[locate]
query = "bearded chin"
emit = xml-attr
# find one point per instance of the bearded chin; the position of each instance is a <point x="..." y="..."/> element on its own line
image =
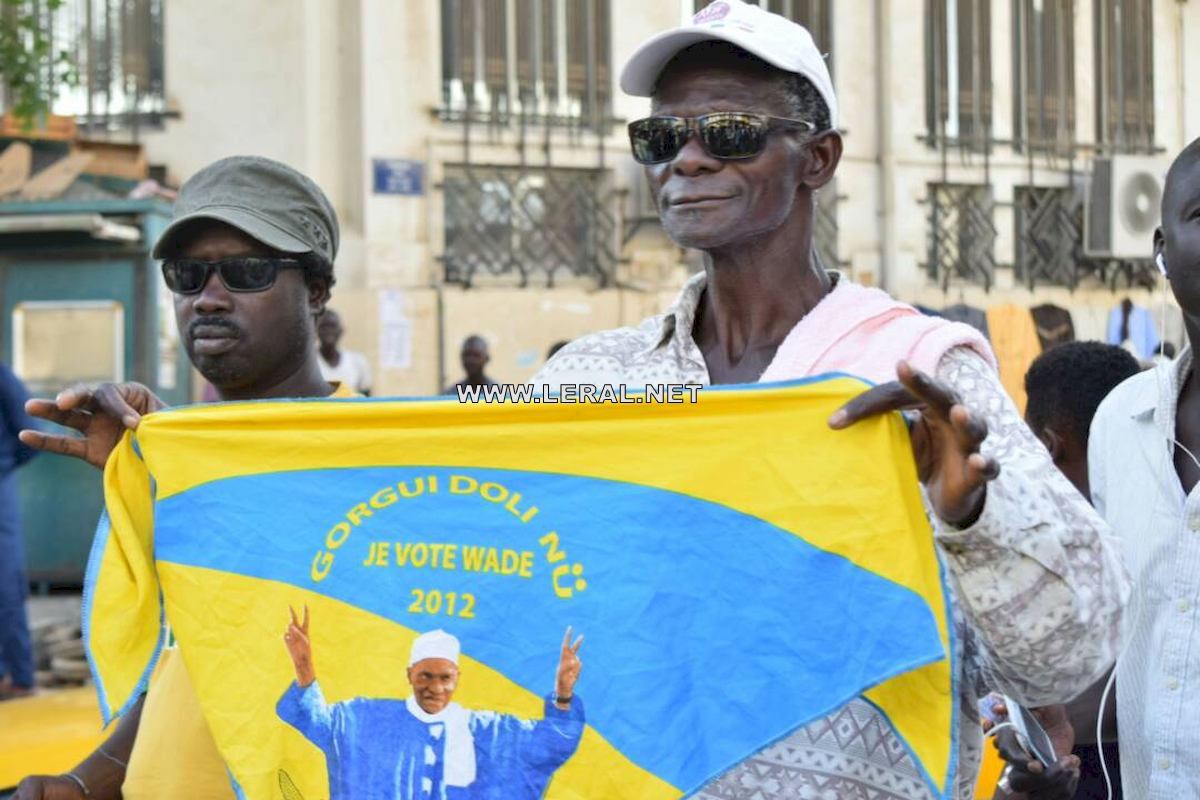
<point x="222" y="371"/>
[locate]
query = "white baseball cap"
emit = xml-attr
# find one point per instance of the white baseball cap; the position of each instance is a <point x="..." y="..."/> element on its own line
<point x="775" y="39"/>
<point x="434" y="644"/>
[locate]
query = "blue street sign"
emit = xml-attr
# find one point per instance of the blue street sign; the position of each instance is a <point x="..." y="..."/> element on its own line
<point x="398" y="176"/>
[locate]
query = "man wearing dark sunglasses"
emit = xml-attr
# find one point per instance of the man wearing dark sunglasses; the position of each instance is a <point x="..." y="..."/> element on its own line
<point x="249" y="258"/>
<point x="742" y="135"/>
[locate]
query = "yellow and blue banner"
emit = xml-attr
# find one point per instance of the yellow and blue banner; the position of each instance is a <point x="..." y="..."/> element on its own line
<point x="370" y="596"/>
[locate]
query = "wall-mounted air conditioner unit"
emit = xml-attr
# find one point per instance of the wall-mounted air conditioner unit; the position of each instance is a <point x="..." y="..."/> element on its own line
<point x="1123" y="207"/>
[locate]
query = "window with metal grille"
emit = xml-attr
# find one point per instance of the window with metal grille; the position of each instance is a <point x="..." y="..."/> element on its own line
<point x="117" y="50"/>
<point x="816" y="15"/>
<point x="1049" y="235"/>
<point x="958" y="74"/>
<point x="546" y="60"/>
<point x="1125" y="74"/>
<point x="962" y="235"/>
<point x="1044" y="74"/>
<point x="514" y="226"/>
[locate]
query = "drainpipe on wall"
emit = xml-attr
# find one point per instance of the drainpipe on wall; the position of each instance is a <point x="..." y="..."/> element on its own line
<point x="886" y="155"/>
<point x="441" y="341"/>
<point x="1180" y="66"/>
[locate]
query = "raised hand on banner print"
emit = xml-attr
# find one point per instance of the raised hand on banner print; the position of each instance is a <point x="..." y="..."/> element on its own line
<point x="946" y="437"/>
<point x="300" y="648"/>
<point x="100" y="413"/>
<point x="569" y="667"/>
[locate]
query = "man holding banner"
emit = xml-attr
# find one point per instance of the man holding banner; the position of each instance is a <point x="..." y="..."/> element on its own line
<point x="428" y="746"/>
<point x="249" y="257"/>
<point x="743" y="135"/>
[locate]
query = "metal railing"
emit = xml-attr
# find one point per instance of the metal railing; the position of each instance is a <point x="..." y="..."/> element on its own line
<point x="1125" y="75"/>
<point x="513" y="225"/>
<point x="1044" y="75"/>
<point x="1048" y="235"/>
<point x="958" y="73"/>
<point x="962" y="234"/>
<point x="117" y="49"/>
<point x="543" y="61"/>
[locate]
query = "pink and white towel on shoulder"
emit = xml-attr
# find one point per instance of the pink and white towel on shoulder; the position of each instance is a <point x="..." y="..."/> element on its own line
<point x="863" y="331"/>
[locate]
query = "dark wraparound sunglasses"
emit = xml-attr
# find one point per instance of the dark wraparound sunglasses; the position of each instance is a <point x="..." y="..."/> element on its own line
<point x="727" y="135"/>
<point x="190" y="275"/>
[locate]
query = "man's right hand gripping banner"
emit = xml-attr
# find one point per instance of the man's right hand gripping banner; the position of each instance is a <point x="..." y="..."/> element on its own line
<point x="372" y="597"/>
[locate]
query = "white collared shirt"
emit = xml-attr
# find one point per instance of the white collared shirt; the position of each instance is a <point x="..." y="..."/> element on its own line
<point x="1135" y="487"/>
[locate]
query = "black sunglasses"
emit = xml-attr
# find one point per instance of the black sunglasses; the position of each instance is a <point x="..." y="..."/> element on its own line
<point x="190" y="275"/>
<point x="727" y="135"/>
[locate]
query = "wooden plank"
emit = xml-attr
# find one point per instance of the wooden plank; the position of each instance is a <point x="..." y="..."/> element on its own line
<point x="54" y="128"/>
<point x="56" y="178"/>
<point x="115" y="159"/>
<point x="15" y="163"/>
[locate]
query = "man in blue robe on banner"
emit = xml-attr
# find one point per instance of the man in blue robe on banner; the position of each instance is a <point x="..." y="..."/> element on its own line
<point x="427" y="746"/>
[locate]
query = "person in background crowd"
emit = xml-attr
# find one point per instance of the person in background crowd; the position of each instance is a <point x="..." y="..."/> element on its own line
<point x="346" y="367"/>
<point x="474" y="357"/>
<point x="1144" y="477"/>
<point x="743" y="134"/>
<point x="1132" y="327"/>
<point x="16" y="652"/>
<point x="1065" y="385"/>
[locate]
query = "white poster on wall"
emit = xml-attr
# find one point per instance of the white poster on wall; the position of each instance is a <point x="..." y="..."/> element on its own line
<point x="395" y="331"/>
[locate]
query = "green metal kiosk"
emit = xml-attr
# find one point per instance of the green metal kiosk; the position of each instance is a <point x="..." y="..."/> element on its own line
<point x="81" y="300"/>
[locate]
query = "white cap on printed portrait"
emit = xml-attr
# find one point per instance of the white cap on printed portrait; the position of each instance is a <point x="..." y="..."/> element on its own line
<point x="435" y="644"/>
<point x="775" y="39"/>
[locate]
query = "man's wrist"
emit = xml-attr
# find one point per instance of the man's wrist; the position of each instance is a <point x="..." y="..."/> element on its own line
<point x="563" y="699"/>
<point x="101" y="776"/>
<point x="973" y="515"/>
<point x="78" y="781"/>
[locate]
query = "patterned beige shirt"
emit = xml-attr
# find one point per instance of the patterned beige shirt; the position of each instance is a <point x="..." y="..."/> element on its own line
<point x="1037" y="587"/>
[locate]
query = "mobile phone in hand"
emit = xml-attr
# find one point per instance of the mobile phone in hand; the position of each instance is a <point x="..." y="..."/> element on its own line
<point x="1032" y="735"/>
<point x="987" y="708"/>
